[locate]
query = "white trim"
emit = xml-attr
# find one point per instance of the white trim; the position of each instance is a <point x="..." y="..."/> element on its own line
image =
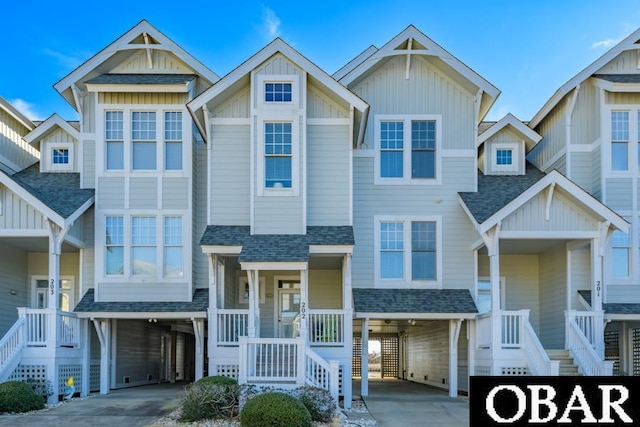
<point x="413" y="315"/>
<point x="244" y="282"/>
<point x="406" y="173"/>
<point x="33" y="290"/>
<point x="22" y="232"/>
<point x="406" y="281"/>
<point x="615" y="87"/>
<point x="293" y="79"/>
<point x="48" y="126"/>
<point x="520" y="128"/>
<point x="141" y="315"/>
<point x="330" y="249"/>
<point x="359" y="152"/>
<point x="297" y="148"/>
<point x="276" y="294"/>
<point x="517" y="157"/>
<point x="46" y="153"/>
<point x="503" y="291"/>
<point x="265" y="265"/>
<point x="140" y="88"/>
<point x="221" y="249"/>
<point x="548" y="234"/>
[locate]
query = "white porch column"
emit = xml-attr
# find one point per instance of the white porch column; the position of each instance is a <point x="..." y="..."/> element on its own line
<point x="347" y="306"/>
<point x="212" y="312"/>
<point x="304" y="304"/>
<point x="597" y="252"/>
<point x="198" y="331"/>
<point x="253" y="330"/>
<point x="364" y="359"/>
<point x="85" y="327"/>
<point x="454" y="334"/>
<point x="471" y="350"/>
<point x="492" y="241"/>
<point x="56" y="236"/>
<point x="103" y="329"/>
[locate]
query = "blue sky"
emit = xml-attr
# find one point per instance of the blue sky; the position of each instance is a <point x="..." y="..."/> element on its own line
<point x="525" y="48"/>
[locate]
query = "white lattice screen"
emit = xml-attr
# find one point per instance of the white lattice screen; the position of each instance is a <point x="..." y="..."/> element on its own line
<point x="230" y="371"/>
<point x="66" y="371"/>
<point x="94" y="377"/>
<point x="515" y="371"/>
<point x="23" y="372"/>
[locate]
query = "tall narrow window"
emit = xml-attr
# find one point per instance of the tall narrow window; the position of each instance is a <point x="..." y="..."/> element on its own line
<point x="278" y="155"/>
<point x="143" y="245"/>
<point x="391" y="250"/>
<point x="620" y="253"/>
<point x="114" y="140"/>
<point x="423" y="149"/>
<point x="114" y="241"/>
<point x="173" y="246"/>
<point x="423" y="250"/>
<point x="143" y="140"/>
<point x="391" y="149"/>
<point x="173" y="140"/>
<point x="619" y="140"/>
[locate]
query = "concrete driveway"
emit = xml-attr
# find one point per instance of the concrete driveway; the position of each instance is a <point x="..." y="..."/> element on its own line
<point x="135" y="407"/>
<point x="398" y="403"/>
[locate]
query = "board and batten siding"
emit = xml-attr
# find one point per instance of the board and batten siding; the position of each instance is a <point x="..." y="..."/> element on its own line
<point x="328" y="175"/>
<point x="619" y="193"/>
<point x="623" y="98"/>
<point x="141" y="98"/>
<point x="237" y="106"/>
<point x="88" y="253"/>
<point x="230" y="175"/>
<point x="553" y="297"/>
<point x="596" y="170"/>
<point x="17" y="214"/>
<point x="427" y="91"/>
<point x="56" y="137"/>
<point x="585" y="121"/>
<point x="110" y="193"/>
<point x="13" y="276"/>
<point x="415" y="200"/>
<point x="625" y="63"/>
<point x="321" y="105"/>
<point x="564" y="216"/>
<point x="163" y="62"/>
<point x="581" y="170"/>
<point x="12" y="147"/>
<point x="553" y="131"/>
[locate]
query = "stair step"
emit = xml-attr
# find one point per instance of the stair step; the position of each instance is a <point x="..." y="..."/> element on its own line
<point x="558" y="353"/>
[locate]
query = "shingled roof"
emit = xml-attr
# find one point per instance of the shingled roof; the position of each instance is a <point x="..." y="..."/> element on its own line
<point x="619" y="78"/>
<point x="59" y="191"/>
<point x="200" y="302"/>
<point x="497" y="191"/>
<point x="142" y="79"/>
<point x="615" y="307"/>
<point x="413" y="301"/>
<point x="276" y="247"/>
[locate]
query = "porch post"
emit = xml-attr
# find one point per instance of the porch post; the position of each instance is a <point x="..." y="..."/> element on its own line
<point x="173" y="362"/>
<point x="198" y="331"/>
<point x="347" y="338"/>
<point x="103" y="330"/>
<point x="254" y="310"/>
<point x="454" y="333"/>
<point x="212" y="312"/>
<point x="596" y="294"/>
<point x="85" y="329"/>
<point x="304" y="304"/>
<point x="364" y="359"/>
<point x="56" y="235"/>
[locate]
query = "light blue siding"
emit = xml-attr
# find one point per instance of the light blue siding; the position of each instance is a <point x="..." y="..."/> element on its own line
<point x="88" y="170"/>
<point x="175" y="193"/>
<point x="619" y="193"/>
<point x="110" y="193"/>
<point x="143" y="193"/>
<point x="320" y="105"/>
<point x="13" y="276"/>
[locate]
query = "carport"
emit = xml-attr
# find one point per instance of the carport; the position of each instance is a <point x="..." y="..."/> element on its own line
<point x="439" y="313"/>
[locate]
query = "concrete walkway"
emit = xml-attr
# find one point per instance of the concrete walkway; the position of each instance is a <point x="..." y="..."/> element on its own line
<point x="398" y="403"/>
<point x="132" y="407"/>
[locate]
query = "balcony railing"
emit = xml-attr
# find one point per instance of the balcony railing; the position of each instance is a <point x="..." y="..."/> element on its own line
<point x="232" y="324"/>
<point x="326" y="328"/>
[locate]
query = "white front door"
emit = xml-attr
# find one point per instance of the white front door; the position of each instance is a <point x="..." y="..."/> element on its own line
<point x="288" y="308"/>
<point x="41" y="296"/>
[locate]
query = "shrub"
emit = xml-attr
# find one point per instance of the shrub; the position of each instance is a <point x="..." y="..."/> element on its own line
<point x="16" y="396"/>
<point x="206" y="400"/>
<point x="217" y="380"/>
<point x="42" y="387"/>
<point x="274" y="409"/>
<point x="318" y="402"/>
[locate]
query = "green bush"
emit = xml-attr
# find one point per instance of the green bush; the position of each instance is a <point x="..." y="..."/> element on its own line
<point x="207" y="400"/>
<point x="217" y="380"/>
<point x="318" y="402"/>
<point x="274" y="409"/>
<point x="16" y="396"/>
<point x="41" y="387"/>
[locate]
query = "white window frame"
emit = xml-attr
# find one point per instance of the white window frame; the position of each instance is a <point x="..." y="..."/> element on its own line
<point x="634" y="254"/>
<point x="34" y="290"/>
<point x="294" y="190"/>
<point x="502" y="291"/>
<point x="406" y="175"/>
<point x="515" y="157"/>
<point x="59" y="167"/>
<point x="243" y="283"/>
<point x="633" y="144"/>
<point x="278" y="105"/>
<point x="406" y="281"/>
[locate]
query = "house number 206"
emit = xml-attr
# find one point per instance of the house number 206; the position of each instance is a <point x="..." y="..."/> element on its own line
<point x="52" y="287"/>
<point x="303" y="310"/>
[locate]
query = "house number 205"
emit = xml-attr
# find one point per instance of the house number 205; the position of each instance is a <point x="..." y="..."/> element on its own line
<point x="303" y="310"/>
<point x="52" y="287"/>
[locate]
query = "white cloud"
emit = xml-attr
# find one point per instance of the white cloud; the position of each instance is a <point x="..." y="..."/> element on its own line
<point x="27" y="109"/>
<point x="270" y="23"/>
<point x="604" y="43"/>
<point x="68" y="61"/>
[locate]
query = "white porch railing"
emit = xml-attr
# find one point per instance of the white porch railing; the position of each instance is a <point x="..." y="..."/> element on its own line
<point x="326" y="328"/>
<point x="42" y="324"/>
<point x="322" y="374"/>
<point x="580" y="337"/>
<point x="11" y="346"/>
<point x="271" y="360"/>
<point x="68" y="329"/>
<point x="483" y="330"/>
<point x="232" y="324"/>
<point x="37" y="326"/>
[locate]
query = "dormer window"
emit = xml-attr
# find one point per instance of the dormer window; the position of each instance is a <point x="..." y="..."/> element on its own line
<point x="277" y="92"/>
<point x="60" y="156"/>
<point x="504" y="156"/>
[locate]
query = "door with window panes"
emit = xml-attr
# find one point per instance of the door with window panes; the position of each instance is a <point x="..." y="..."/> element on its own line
<point x="41" y="289"/>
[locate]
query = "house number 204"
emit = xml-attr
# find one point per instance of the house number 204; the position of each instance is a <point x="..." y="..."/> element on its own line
<point x="303" y="310"/>
<point x="52" y="287"/>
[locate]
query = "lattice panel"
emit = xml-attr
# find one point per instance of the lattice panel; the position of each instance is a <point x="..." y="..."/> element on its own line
<point x="390" y="357"/>
<point x="635" y="337"/>
<point x="230" y="371"/>
<point x="515" y="372"/>
<point x="340" y="393"/>
<point x="23" y="372"/>
<point x="94" y="377"/>
<point x="356" y="355"/>
<point x="66" y="371"/>
<point x="612" y="349"/>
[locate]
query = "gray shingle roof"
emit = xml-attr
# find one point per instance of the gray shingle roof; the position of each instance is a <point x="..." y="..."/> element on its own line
<point x="59" y="191"/>
<point x="142" y="79"/>
<point x="276" y="247"/>
<point x="619" y="78"/>
<point x="200" y="302"/>
<point x="497" y="191"/>
<point x="485" y="126"/>
<point x="615" y="307"/>
<point x="413" y="301"/>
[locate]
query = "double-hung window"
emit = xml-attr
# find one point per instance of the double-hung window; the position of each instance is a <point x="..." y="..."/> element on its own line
<point x="621" y="254"/>
<point x="408" y="251"/>
<point x="143" y="245"/>
<point x="172" y="140"/>
<point x="407" y="149"/>
<point x="114" y="140"/>
<point x="278" y="155"/>
<point x="143" y="140"/>
<point x="114" y="242"/>
<point x="619" y="140"/>
<point x="173" y="247"/>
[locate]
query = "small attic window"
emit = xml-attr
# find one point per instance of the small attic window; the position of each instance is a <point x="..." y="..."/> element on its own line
<point x="277" y="92"/>
<point x="504" y="156"/>
<point x="60" y="156"/>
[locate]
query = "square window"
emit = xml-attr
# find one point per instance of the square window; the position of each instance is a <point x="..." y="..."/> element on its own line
<point x="60" y="156"/>
<point x="504" y="157"/>
<point x="277" y="92"/>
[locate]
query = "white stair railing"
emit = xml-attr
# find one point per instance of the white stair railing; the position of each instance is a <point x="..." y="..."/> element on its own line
<point x="322" y="374"/>
<point x="271" y="360"/>
<point x="539" y="362"/>
<point x="11" y="346"/>
<point x="582" y="348"/>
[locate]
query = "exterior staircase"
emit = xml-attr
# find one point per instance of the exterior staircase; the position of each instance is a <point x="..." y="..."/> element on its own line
<point x="567" y="366"/>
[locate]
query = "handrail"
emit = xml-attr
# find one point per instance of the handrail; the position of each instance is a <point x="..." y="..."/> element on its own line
<point x="584" y="354"/>
<point x="540" y="363"/>
<point x="11" y="345"/>
<point x="322" y="374"/>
